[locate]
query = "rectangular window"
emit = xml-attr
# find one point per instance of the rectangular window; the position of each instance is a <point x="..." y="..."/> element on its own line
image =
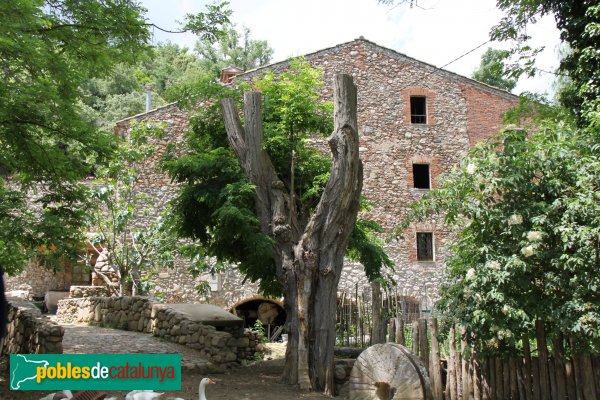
<point x="418" y="110"/>
<point x="424" y="246"/>
<point x="421" y="177"/>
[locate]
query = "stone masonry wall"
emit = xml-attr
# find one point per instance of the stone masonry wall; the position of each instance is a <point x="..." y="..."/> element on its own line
<point x="37" y="280"/>
<point x="29" y="332"/>
<point x="139" y="314"/>
<point x="89" y="291"/>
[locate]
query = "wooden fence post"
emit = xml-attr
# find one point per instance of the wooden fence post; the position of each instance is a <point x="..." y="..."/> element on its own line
<point x="527" y="368"/>
<point x="486" y="391"/>
<point x="423" y="343"/>
<point x="570" y="378"/>
<point x="596" y="365"/>
<point x="543" y="359"/>
<point x="559" y="367"/>
<point x="400" y="339"/>
<point x="415" y="338"/>
<point x="499" y="382"/>
<point x="477" y="387"/>
<point x="464" y="365"/>
<point x="589" y="389"/>
<point x="512" y="368"/>
<point x="451" y="378"/>
<point x="505" y="377"/>
<point x="436" y="367"/>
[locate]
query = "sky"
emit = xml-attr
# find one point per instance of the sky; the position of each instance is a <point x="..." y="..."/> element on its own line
<point x="435" y="31"/>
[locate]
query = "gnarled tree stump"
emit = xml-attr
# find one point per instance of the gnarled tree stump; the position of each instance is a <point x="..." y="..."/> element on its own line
<point x="388" y="371"/>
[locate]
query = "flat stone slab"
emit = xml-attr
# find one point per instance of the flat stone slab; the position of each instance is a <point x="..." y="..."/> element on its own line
<point x="208" y="314"/>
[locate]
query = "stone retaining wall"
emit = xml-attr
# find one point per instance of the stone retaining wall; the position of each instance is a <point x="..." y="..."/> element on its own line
<point x="139" y="314"/>
<point x="89" y="291"/>
<point x="29" y="332"/>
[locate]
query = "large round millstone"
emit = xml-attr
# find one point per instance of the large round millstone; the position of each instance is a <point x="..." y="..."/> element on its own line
<point x="388" y="371"/>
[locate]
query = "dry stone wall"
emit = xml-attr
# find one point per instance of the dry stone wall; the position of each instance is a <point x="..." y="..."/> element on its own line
<point x="29" y="332"/>
<point x="89" y="291"/>
<point x="139" y="314"/>
<point x="36" y="279"/>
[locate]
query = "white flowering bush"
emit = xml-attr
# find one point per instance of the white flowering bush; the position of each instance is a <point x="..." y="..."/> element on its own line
<point x="527" y="215"/>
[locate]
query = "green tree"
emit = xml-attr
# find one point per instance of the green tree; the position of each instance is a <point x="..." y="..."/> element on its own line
<point x="47" y="50"/>
<point x="268" y="208"/>
<point x="492" y="70"/>
<point x="233" y="49"/>
<point x="527" y="213"/>
<point x="131" y="248"/>
<point x="579" y="25"/>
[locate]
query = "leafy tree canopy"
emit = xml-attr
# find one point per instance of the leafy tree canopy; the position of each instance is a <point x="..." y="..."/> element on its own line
<point x="233" y="49"/>
<point x="47" y="50"/>
<point x="165" y="67"/>
<point x="492" y="69"/>
<point x="216" y="205"/>
<point x="527" y="212"/>
<point x="578" y="22"/>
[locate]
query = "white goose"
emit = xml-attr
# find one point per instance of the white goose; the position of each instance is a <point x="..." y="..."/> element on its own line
<point x="203" y="383"/>
<point x="152" y="395"/>
<point x="201" y="389"/>
<point x="143" y="395"/>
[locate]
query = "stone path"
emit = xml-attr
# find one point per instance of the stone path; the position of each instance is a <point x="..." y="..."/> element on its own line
<point x="97" y="340"/>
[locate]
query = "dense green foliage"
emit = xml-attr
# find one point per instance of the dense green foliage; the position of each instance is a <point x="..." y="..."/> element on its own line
<point x="579" y="25"/>
<point x="166" y="67"/>
<point x="47" y="48"/>
<point x="121" y="94"/>
<point x="233" y="49"/>
<point x="492" y="69"/>
<point x="527" y="210"/>
<point x="216" y="205"/>
<point x="48" y="143"/>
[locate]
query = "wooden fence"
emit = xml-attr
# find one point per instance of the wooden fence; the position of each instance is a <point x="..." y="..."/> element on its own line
<point x="537" y="374"/>
<point x="355" y="314"/>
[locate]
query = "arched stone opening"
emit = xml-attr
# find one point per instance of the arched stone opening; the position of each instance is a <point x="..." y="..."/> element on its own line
<point x="270" y="313"/>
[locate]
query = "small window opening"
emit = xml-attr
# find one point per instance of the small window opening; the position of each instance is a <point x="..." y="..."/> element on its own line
<point x="418" y="110"/>
<point x="424" y="246"/>
<point x="421" y="177"/>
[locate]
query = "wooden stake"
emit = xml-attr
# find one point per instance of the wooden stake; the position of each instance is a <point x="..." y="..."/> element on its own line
<point x="400" y="339"/>
<point x="451" y="378"/>
<point x="559" y="367"/>
<point x="423" y="343"/>
<point x="464" y="366"/>
<point x="527" y="368"/>
<point x="436" y="367"/>
<point x="543" y="359"/>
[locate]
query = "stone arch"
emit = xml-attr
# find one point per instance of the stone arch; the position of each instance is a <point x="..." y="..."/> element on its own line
<point x="269" y="311"/>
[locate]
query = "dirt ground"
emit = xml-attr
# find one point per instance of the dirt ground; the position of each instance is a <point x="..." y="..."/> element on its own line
<point x="259" y="380"/>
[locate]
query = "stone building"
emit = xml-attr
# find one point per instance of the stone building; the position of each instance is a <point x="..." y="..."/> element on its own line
<point x="415" y="122"/>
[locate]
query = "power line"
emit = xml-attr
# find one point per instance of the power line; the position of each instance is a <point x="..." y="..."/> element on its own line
<point x="435" y="69"/>
<point x="466" y="54"/>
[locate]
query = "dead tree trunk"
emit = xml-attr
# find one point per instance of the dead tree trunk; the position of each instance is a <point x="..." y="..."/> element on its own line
<point x="308" y="257"/>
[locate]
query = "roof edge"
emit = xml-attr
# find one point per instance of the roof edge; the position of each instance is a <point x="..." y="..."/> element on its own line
<point x="468" y="80"/>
